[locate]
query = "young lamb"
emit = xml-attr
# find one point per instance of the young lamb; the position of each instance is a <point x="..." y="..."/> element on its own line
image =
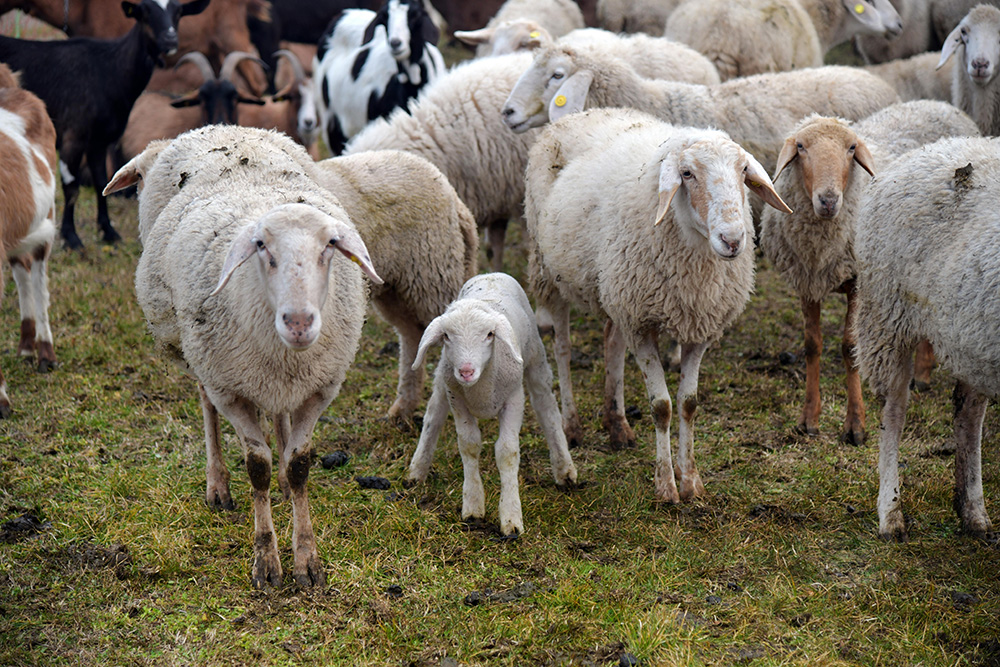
<point x="925" y="273"/>
<point x="27" y="228"/>
<point x="507" y="27"/>
<point x="819" y="175"/>
<point x="599" y="184"/>
<point x="757" y="112"/>
<point x="423" y="238"/>
<point x="974" y="87"/>
<point x="276" y="336"/>
<point x="491" y="350"/>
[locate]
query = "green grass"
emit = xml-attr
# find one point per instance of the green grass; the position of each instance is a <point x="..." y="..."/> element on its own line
<point x="778" y="565"/>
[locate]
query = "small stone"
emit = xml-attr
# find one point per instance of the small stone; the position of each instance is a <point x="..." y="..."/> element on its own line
<point x="335" y="459"/>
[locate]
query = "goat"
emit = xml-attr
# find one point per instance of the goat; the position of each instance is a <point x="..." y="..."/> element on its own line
<point x="369" y="64"/>
<point x="27" y="214"/>
<point x="89" y="86"/>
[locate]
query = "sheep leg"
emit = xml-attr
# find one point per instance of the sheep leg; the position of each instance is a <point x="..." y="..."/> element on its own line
<point x="507" y="452"/>
<point x="69" y="171"/>
<point x="5" y="410"/>
<point x="216" y="474"/>
<point x="469" y="446"/>
<point x="561" y="348"/>
<point x="282" y="432"/>
<point x="411" y="381"/>
<point x="924" y="363"/>
<point x="687" y="399"/>
<point x="614" y="421"/>
<point x="434" y="419"/>
<point x="970" y="409"/>
<point x="854" y="425"/>
<point x="891" y="524"/>
<point x="496" y="232"/>
<point x="538" y="379"/>
<point x="647" y="355"/>
<point x="809" y="423"/>
<point x="97" y="160"/>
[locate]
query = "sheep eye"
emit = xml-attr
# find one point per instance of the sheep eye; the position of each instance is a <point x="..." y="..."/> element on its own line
<point x="687" y="174"/>
<point x="557" y="75"/>
<point x="853" y="148"/>
<point x="445" y="337"/>
<point x="260" y="244"/>
<point x="799" y="146"/>
<point x="489" y="336"/>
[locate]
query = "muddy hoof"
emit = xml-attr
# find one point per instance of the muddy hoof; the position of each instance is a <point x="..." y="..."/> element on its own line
<point x="46" y="365"/>
<point x="853" y="438"/>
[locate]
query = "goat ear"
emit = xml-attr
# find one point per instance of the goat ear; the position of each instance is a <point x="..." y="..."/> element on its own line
<point x="381" y="18"/>
<point x="349" y="243"/>
<point x="475" y="37"/>
<point x="571" y="96"/>
<point x="863" y="157"/>
<point x="789" y="151"/>
<point x="432" y="336"/>
<point x="242" y="248"/>
<point x="670" y="182"/>
<point x="428" y="31"/>
<point x="950" y="44"/>
<point x="189" y="100"/>
<point x="755" y="178"/>
<point x="505" y="332"/>
<point x="195" y="7"/>
<point x="131" y="9"/>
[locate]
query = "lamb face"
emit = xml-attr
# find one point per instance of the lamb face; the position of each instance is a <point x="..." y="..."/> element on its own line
<point x="978" y="34"/>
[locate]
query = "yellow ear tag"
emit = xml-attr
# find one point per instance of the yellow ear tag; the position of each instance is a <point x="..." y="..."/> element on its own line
<point x="754" y="184"/>
<point x="534" y="34"/>
<point x="859" y="8"/>
<point x="560" y="100"/>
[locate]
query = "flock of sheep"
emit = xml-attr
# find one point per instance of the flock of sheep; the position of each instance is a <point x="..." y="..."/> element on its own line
<point x="629" y="158"/>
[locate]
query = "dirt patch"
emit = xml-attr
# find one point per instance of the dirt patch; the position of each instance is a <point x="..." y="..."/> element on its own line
<point x="22" y="528"/>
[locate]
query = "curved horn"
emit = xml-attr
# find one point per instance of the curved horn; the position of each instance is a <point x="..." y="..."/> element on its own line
<point x="293" y="60"/>
<point x="233" y="59"/>
<point x="201" y="62"/>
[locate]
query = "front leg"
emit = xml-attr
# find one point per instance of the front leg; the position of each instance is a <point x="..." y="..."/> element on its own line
<point x="508" y="457"/>
<point x="809" y="423"/>
<point x="434" y="419"/>
<point x="687" y="399"/>
<point x="970" y="409"/>
<point x="891" y="524"/>
<point x="854" y="425"/>
<point x="647" y="355"/>
<point x="469" y="446"/>
<point x="614" y="421"/>
<point x="216" y="474"/>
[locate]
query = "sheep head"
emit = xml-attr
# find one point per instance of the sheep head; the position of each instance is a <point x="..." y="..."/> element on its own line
<point x="468" y="331"/>
<point x="825" y="151"/>
<point x="552" y="87"/>
<point x="508" y="37"/>
<point x="979" y="36"/>
<point x="294" y="245"/>
<point x="710" y="170"/>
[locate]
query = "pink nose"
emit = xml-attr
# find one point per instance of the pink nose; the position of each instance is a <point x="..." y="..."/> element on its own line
<point x="297" y="324"/>
<point x="467" y="371"/>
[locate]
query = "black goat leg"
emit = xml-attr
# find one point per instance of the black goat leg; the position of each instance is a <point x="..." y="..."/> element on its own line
<point x="69" y="172"/>
<point x="97" y="161"/>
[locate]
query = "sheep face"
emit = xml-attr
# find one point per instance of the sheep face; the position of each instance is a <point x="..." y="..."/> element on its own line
<point x="979" y="36"/>
<point x="294" y="244"/>
<point x="824" y="150"/>
<point x="468" y="332"/>
<point x="875" y="16"/>
<point x="508" y="37"/>
<point x="709" y="171"/>
<point x="551" y="88"/>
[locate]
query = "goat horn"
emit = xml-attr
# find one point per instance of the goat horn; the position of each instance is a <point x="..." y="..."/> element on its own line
<point x="233" y="59"/>
<point x="201" y="62"/>
<point x="293" y="60"/>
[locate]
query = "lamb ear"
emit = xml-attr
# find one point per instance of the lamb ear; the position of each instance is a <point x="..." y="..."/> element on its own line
<point x="789" y="151"/>
<point x="242" y="248"/>
<point x="571" y="96"/>
<point x="475" y="37"/>
<point x="505" y="332"/>
<point x="349" y="243"/>
<point x="432" y="336"/>
<point x="950" y="44"/>
<point x="864" y="14"/>
<point x="757" y="180"/>
<point x="863" y="157"/>
<point x="670" y="182"/>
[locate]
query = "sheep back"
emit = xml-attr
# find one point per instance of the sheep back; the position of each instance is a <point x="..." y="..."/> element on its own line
<point x="650" y="57"/>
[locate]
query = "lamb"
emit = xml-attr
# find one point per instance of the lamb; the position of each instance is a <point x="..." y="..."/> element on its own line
<point x="976" y="40"/>
<point x="599" y="183"/>
<point x="924" y="273"/>
<point x="819" y="176"/>
<point x="757" y="112"/>
<point x="27" y="228"/>
<point x="555" y="17"/>
<point x="647" y="16"/>
<point x="423" y="237"/>
<point x="277" y="336"/>
<point x="491" y="350"/>
<point x="917" y="77"/>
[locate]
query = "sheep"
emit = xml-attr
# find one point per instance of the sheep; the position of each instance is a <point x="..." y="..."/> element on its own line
<point x="277" y="336"/>
<point x="924" y="273"/>
<point x="916" y="37"/>
<point x="27" y="228"/>
<point x="423" y="237"/>
<point x="491" y="350"/>
<point x="976" y="40"/>
<point x="555" y="17"/>
<point x="838" y="21"/>
<point x="598" y="185"/>
<point x="89" y="86"/>
<point x="917" y="77"/>
<point x="647" y="16"/>
<point x="819" y="175"/>
<point x="946" y="14"/>
<point x="757" y="112"/>
<point x="370" y="63"/>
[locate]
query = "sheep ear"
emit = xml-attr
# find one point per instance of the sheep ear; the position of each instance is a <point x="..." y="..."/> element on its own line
<point x="242" y="248"/>
<point x="760" y="184"/>
<point x="864" y="14"/>
<point x="950" y="44"/>
<point x="432" y="336"/>
<point x="789" y="152"/>
<point x="571" y="96"/>
<point x="349" y="243"/>
<point x="670" y="182"/>
<point x="505" y="332"/>
<point x="475" y="37"/>
<point x="863" y="157"/>
<point x="130" y="173"/>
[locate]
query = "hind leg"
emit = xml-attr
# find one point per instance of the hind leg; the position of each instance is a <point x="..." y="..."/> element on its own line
<point x="99" y="174"/>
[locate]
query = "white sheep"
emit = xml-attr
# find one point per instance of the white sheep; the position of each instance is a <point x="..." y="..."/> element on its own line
<point x="276" y="336"/>
<point x="917" y="77"/>
<point x="974" y="87"/>
<point x="825" y="166"/>
<point x="838" y="21"/>
<point x="757" y="112"/>
<point x="598" y="185"/>
<point x="916" y="37"/>
<point x="421" y="235"/>
<point x="925" y="273"/>
<point x="647" y="16"/>
<point x="506" y="29"/>
<point x="491" y="350"/>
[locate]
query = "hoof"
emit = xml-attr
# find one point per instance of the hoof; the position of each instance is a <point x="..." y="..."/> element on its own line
<point x="5" y="411"/>
<point x="802" y="429"/>
<point x="220" y="501"/>
<point x="111" y="237"/>
<point x="266" y="571"/>
<point x="855" y="438"/>
<point x="72" y="242"/>
<point x="311" y="573"/>
<point x="46" y="365"/>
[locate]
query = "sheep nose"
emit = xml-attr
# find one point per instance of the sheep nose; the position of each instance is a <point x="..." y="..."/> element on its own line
<point x="466" y="371"/>
<point x="732" y="243"/>
<point x="980" y="66"/>
<point x="828" y="203"/>
<point x="297" y="323"/>
<point x="507" y="112"/>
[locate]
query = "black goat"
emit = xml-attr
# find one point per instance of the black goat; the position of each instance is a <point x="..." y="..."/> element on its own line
<point x="89" y="86"/>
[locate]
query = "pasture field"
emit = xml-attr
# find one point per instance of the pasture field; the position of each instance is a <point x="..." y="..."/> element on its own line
<point x="121" y="563"/>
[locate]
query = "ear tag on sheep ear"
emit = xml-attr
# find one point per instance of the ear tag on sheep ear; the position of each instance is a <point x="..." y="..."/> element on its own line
<point x="534" y="34"/>
<point x="560" y="101"/>
<point x="859" y="8"/>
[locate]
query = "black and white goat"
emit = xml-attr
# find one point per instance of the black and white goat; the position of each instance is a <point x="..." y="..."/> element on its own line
<point x="89" y="86"/>
<point x="370" y="63"/>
